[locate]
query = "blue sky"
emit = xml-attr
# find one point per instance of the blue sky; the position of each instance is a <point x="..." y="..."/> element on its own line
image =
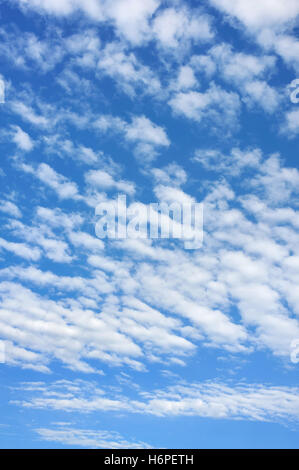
<point x="140" y="342"/>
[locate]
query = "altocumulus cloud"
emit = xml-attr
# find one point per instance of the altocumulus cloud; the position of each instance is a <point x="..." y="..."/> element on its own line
<point x="165" y="102"/>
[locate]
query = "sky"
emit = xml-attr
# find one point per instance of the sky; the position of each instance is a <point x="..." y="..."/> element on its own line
<point x="140" y="342"/>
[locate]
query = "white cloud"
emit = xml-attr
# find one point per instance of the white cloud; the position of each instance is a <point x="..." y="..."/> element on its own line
<point x="83" y="239"/>
<point x="185" y="79"/>
<point x="247" y="72"/>
<point x="268" y="21"/>
<point x="261" y="14"/>
<point x="203" y="64"/>
<point x="22" y="139"/>
<point x="135" y="21"/>
<point x="65" y="7"/>
<point x="28" y="114"/>
<point x="291" y="124"/>
<point x="88" y="438"/>
<point x="285" y="45"/>
<point x="102" y="179"/>
<point x="172" y="174"/>
<point x="218" y="400"/>
<point x="174" y="28"/>
<point x="232" y="164"/>
<point x="57" y="145"/>
<point x="151" y="301"/>
<point x="71" y="81"/>
<point x="53" y="247"/>
<point x="57" y="218"/>
<point x="128" y="328"/>
<point x="170" y="194"/>
<point x="191" y="104"/>
<point x="238" y="67"/>
<point x="64" y="188"/>
<point x="248" y="244"/>
<point x="259" y="93"/>
<point x="37" y="324"/>
<point x="128" y="72"/>
<point x="25" y="50"/>
<point x="142" y="129"/>
<point x="10" y="208"/>
<point x="131" y="17"/>
<point x="277" y="182"/>
<point x="147" y="136"/>
<point x="219" y="107"/>
<point x="20" y="249"/>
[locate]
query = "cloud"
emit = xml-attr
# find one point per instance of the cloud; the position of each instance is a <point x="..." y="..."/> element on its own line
<point x="146" y="79"/>
<point x="211" y="399"/>
<point x="248" y="73"/>
<point x="28" y="114"/>
<point x="128" y="72"/>
<point x="102" y="179"/>
<point x="10" y="208"/>
<point x="57" y="218"/>
<point x="131" y="324"/>
<point x="22" y="139"/>
<point x="290" y="126"/>
<point x="147" y="136"/>
<point x="185" y="79"/>
<point x="83" y="239"/>
<point x="91" y="8"/>
<point x="58" y="145"/>
<point x="245" y="245"/>
<point x="59" y="183"/>
<point x="210" y="105"/>
<point x="232" y="164"/>
<point x="268" y="22"/>
<point x="276" y="181"/>
<point x="136" y="22"/>
<point x="37" y="324"/>
<point x="89" y="439"/>
<point x="64" y="188"/>
<point x="238" y="67"/>
<point x="53" y="247"/>
<point x="171" y="194"/>
<point x="131" y="18"/>
<point x="176" y="28"/>
<point x="172" y="174"/>
<point x="216" y="400"/>
<point x="142" y="129"/>
<point x="259" y="93"/>
<point x="20" y="249"/>
<point x="26" y="50"/>
<point x="258" y="15"/>
<point x="285" y="45"/>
